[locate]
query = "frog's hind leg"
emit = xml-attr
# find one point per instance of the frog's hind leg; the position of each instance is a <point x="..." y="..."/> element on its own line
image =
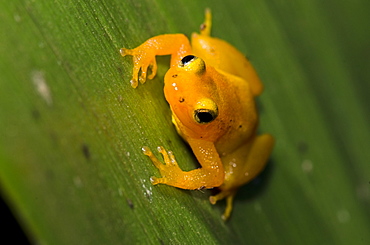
<point x="205" y="27"/>
<point x="251" y="163"/>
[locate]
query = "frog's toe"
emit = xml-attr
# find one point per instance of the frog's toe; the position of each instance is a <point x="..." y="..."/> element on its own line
<point x="213" y="199"/>
<point x="153" y="158"/>
<point x="229" y="207"/>
<point x="154" y="180"/>
<point x="153" y="68"/>
<point x="125" y="51"/>
<point x="145" y="68"/>
<point x="135" y="73"/>
<point x="142" y="77"/>
<point x="134" y="83"/>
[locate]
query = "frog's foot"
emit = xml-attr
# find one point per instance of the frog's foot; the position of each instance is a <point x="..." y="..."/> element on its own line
<point x="141" y="61"/>
<point x="169" y="170"/>
<point x="229" y="195"/>
<point x="172" y="174"/>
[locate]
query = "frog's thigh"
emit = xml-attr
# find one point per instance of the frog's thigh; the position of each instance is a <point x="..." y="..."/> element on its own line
<point x="254" y="163"/>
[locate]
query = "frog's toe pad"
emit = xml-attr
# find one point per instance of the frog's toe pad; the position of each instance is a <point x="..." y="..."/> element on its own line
<point x="213" y="199"/>
<point x="156" y="181"/>
<point x="125" y="51"/>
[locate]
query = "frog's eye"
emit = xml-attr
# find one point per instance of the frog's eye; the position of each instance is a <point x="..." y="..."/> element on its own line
<point x="205" y="111"/>
<point x="205" y="115"/>
<point x="193" y="64"/>
<point x="187" y="59"/>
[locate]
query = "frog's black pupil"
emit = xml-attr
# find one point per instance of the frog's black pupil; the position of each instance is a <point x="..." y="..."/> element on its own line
<point x="205" y="117"/>
<point x="187" y="59"/>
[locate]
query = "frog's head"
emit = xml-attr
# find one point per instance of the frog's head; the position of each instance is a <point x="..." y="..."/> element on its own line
<point x="193" y="96"/>
<point x="204" y="109"/>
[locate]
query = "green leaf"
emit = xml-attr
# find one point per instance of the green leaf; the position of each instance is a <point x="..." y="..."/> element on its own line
<point x="72" y="128"/>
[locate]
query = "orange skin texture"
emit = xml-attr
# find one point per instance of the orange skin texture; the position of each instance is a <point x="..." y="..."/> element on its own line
<point x="211" y="88"/>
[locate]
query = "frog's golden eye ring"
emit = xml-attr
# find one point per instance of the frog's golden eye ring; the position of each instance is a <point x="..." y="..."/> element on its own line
<point x="193" y="64"/>
<point x="204" y="116"/>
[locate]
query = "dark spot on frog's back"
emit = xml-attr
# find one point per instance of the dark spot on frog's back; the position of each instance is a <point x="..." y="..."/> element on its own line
<point x="181" y="100"/>
<point x="174" y="75"/>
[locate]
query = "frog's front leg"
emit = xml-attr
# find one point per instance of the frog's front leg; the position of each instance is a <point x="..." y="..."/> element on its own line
<point x="210" y="175"/>
<point x="176" y="45"/>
